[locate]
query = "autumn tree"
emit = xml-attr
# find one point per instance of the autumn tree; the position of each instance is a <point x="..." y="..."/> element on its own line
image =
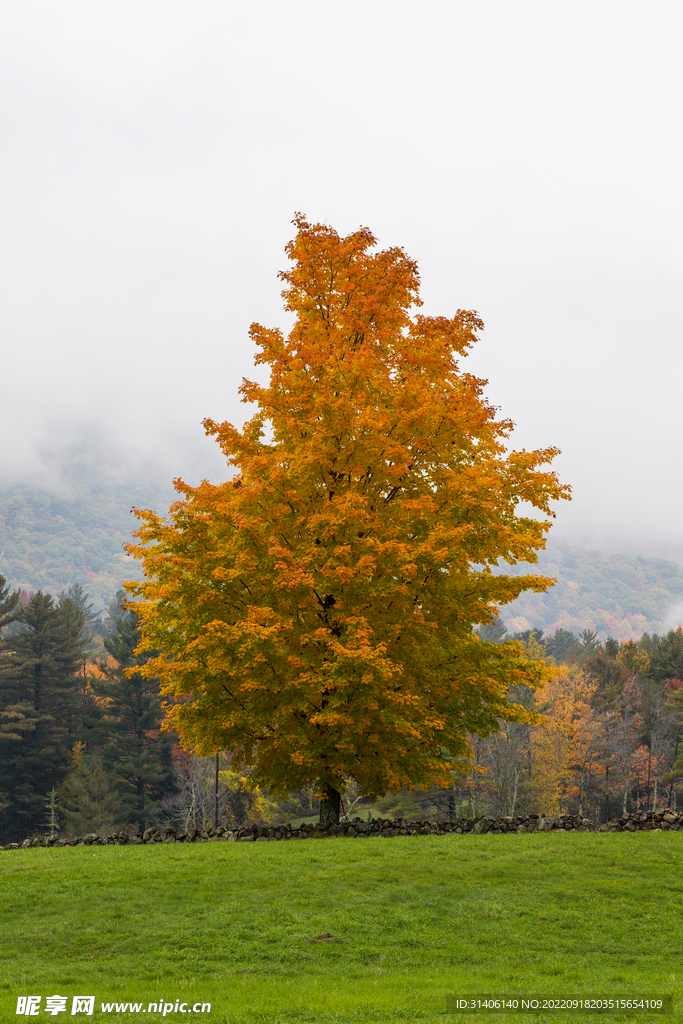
<point x="196" y="801"/>
<point x="314" y="614"/>
<point x="610" y="677"/>
<point x="562" y="745"/>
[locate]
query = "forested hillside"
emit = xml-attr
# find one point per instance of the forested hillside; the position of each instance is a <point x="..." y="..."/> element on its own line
<point x="618" y="595"/>
<point x="73" y="532"/>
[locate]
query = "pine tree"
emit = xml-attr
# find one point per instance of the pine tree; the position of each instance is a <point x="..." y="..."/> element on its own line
<point x="52" y="808"/>
<point x="562" y="646"/>
<point x="666" y="657"/>
<point x="92" y="622"/>
<point x="9" y="599"/>
<point x="610" y="676"/>
<point x="111" y="613"/>
<point x="589" y="642"/>
<point x="88" y="796"/>
<point x="133" y="748"/>
<point x="39" y="695"/>
<point x="493" y="632"/>
<point x="611" y="647"/>
<point x="532" y="642"/>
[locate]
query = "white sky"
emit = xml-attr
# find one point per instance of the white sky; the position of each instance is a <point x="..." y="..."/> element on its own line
<point x="528" y="154"/>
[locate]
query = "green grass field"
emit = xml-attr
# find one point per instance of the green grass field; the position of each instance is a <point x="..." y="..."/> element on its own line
<point x="412" y="919"/>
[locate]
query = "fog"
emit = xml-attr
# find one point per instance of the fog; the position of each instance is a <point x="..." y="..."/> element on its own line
<point x="527" y="154"/>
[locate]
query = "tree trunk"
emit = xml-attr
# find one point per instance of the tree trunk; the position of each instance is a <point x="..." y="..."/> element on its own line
<point x="141" y="804"/>
<point x="215" y="798"/>
<point x="330" y="806"/>
<point x="671" y="787"/>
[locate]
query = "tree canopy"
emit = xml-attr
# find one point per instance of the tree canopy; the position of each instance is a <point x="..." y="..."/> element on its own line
<point x="314" y="614"/>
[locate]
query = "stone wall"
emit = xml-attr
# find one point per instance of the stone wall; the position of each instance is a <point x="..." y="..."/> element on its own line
<point x="359" y="829"/>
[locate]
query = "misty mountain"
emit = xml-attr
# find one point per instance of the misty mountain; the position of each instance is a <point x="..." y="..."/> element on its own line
<point x="73" y="531"/>
<point x="616" y="595"/>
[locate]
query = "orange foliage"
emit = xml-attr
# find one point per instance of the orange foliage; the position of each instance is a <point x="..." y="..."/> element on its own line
<point x="563" y="745"/>
<point x="634" y="657"/>
<point x="314" y="614"/>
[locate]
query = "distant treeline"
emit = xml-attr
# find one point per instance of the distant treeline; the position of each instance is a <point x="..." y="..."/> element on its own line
<point x="81" y="746"/>
<point x="74" y="532"/>
<point x="79" y="739"/>
<point x="608" y="741"/>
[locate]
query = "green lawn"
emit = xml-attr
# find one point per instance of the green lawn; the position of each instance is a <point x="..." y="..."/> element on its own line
<point x="413" y="920"/>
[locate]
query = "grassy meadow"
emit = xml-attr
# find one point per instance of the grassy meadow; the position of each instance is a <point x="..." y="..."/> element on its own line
<point x="413" y="920"/>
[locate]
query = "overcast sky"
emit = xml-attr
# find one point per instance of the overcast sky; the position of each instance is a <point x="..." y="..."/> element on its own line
<point x="528" y="154"/>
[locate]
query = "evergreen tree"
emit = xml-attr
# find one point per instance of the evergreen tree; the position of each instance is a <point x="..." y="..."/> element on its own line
<point x="111" y="614"/>
<point x="40" y="699"/>
<point x="589" y="642"/>
<point x="562" y="646"/>
<point x="18" y="755"/>
<point x="52" y="818"/>
<point x="92" y="623"/>
<point x="89" y="799"/>
<point x="493" y="632"/>
<point x="533" y="643"/>
<point x="134" y="750"/>
<point x="666" y="655"/>
<point x="610" y="676"/>
<point x="9" y="599"/>
<point x="525" y="635"/>
<point x="611" y="647"/>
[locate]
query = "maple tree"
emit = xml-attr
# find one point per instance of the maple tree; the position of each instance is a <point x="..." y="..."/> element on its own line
<point x="563" y="743"/>
<point x="314" y="614"/>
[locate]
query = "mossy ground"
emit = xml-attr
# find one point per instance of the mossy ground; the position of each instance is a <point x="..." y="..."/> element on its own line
<point x="413" y="920"/>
